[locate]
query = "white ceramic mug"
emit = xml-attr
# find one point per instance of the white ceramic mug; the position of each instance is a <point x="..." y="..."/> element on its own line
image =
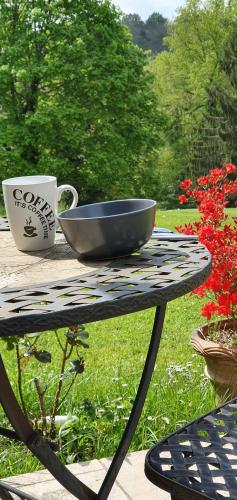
<point x="31" y="207"/>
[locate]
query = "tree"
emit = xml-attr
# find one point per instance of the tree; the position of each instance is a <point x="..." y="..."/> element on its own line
<point x="75" y="98"/>
<point x="224" y="92"/>
<point x="132" y="20"/>
<point x="147" y="35"/>
<point x="156" y="30"/>
<point x="192" y="84"/>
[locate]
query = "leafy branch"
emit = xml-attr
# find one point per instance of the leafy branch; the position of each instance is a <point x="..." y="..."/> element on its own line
<point x="28" y="348"/>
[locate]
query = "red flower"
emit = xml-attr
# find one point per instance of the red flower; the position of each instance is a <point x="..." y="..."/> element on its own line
<point x="234" y="298"/>
<point x="186" y="184"/>
<point x="211" y="196"/>
<point x="230" y="169"/>
<point x="225" y="310"/>
<point x="224" y="299"/>
<point x="203" y="181"/>
<point x="208" y="310"/>
<point x="183" y="199"/>
<point x="217" y="172"/>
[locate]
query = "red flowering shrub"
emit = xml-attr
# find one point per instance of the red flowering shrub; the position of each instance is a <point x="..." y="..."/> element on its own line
<point x="211" y="195"/>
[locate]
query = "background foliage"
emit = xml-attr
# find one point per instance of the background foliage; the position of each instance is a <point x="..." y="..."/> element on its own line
<point x="195" y="81"/>
<point x="77" y="99"/>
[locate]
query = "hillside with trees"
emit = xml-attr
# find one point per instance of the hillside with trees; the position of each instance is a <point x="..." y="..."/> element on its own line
<point x="147" y="34"/>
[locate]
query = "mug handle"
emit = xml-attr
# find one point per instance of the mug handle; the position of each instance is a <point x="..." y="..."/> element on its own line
<point x="67" y="187"/>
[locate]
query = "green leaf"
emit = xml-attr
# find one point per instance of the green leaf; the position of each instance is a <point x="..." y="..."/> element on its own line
<point x="83" y="335"/>
<point x="71" y="458"/>
<point x="64" y="376"/>
<point x="33" y="335"/>
<point x="43" y="356"/>
<point x="74" y="337"/>
<point x="77" y="365"/>
<point x="11" y="342"/>
<point x="83" y="344"/>
<point x="70" y="335"/>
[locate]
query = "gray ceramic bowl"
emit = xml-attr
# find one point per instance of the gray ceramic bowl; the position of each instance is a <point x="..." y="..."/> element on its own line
<point x="108" y="229"/>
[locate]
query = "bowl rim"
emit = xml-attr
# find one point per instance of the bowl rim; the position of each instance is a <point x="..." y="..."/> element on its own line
<point x="153" y="204"/>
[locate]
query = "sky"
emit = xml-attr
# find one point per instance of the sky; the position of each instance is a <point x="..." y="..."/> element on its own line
<point x="146" y="7"/>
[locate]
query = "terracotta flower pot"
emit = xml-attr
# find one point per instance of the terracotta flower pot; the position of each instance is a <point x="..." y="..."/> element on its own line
<point x="221" y="361"/>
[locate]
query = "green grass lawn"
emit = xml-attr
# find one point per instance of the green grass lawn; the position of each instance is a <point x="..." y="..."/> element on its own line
<point x="172" y="218"/>
<point x="105" y="391"/>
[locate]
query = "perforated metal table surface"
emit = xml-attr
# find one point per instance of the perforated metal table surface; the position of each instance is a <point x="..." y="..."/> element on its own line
<point x="158" y="273"/>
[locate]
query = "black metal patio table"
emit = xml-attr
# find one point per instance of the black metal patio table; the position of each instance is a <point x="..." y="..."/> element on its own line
<point x="160" y="272"/>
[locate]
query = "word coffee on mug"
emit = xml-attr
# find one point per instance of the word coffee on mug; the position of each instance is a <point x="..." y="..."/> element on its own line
<point x="31" y="206"/>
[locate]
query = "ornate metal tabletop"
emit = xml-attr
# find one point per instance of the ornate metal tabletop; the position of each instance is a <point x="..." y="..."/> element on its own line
<point x="161" y="271"/>
<point x="158" y="273"/>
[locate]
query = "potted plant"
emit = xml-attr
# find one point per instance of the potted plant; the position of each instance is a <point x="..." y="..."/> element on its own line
<point x="217" y="340"/>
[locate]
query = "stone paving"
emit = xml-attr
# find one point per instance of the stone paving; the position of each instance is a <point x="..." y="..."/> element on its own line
<point x="131" y="483"/>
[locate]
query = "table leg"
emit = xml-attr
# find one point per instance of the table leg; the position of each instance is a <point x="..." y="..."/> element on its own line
<point x="137" y="407"/>
<point x="4" y="494"/>
<point x="6" y="489"/>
